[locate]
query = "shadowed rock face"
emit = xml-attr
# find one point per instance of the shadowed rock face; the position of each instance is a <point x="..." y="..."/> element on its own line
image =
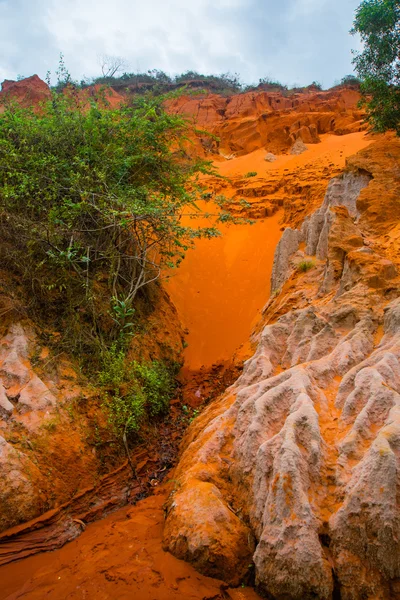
<point x="303" y="452"/>
<point x="28" y="405"/>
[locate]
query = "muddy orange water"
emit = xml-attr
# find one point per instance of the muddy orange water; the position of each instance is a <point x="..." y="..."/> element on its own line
<point x="222" y="285"/>
<point x="119" y="558"/>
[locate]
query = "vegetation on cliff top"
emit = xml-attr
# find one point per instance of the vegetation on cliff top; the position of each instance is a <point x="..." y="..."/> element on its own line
<point x="115" y="74"/>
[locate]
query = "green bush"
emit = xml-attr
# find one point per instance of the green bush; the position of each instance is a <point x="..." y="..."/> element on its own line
<point x="113" y="372"/>
<point x="157" y="383"/>
<point x="305" y="265"/>
<point x="377" y="22"/>
<point x="127" y="413"/>
<point x="135" y="391"/>
<point x="250" y="174"/>
<point x="350" y="80"/>
<point x="272" y="85"/>
<point x="159" y="82"/>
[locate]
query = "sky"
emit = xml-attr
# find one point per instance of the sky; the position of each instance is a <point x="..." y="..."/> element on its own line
<point x="293" y="41"/>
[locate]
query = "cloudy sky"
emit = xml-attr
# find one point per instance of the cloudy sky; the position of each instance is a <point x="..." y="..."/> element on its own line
<point x="295" y="41"/>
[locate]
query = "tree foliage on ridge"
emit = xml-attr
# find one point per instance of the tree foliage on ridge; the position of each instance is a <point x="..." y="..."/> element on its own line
<point x="378" y="65"/>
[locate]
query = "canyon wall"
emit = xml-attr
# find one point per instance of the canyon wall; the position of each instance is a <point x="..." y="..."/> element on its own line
<point x="227" y="127"/>
<point x="57" y="455"/>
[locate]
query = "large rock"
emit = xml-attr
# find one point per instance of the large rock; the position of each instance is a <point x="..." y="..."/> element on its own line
<point x="17" y="378"/>
<point x="284" y="475"/>
<point x="298" y="147"/>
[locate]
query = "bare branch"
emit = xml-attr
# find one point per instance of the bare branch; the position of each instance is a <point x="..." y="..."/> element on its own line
<point x="111" y="65"/>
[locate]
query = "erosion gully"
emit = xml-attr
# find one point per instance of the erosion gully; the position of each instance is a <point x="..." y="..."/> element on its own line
<point x="219" y="291"/>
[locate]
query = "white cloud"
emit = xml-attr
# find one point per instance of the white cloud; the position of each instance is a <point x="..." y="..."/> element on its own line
<point x="292" y="40"/>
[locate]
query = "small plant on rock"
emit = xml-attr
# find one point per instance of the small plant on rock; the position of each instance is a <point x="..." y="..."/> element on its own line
<point x="305" y="265"/>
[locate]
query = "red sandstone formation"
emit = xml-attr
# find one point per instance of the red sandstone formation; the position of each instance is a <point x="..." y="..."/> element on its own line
<point x="105" y="96"/>
<point x="32" y="91"/>
<point x="270" y="120"/>
<point x="243" y="122"/>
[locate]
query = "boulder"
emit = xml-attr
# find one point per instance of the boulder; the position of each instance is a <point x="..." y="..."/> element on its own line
<point x="298" y="147"/>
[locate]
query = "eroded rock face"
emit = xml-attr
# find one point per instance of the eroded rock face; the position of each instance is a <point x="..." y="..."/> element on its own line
<point x="287" y="246"/>
<point x="28" y="410"/>
<point x="52" y="432"/>
<point x="304" y="450"/>
<point x="329" y="233"/>
<point x="21" y="485"/>
<point x="342" y="191"/>
<point x="19" y="383"/>
<point x="252" y="120"/>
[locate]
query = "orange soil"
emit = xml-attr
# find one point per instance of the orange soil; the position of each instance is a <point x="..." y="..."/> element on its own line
<point x="222" y="285"/>
<point x="333" y="149"/>
<point x="220" y="288"/>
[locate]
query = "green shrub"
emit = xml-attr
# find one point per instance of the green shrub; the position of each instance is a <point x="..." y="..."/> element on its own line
<point x="133" y="391"/>
<point x="113" y="372"/>
<point x="305" y="265"/>
<point x="250" y="174"/>
<point x="377" y="22"/>
<point x="272" y="84"/>
<point x="159" y="82"/>
<point x="350" y="80"/>
<point x="127" y="413"/>
<point x="157" y="384"/>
